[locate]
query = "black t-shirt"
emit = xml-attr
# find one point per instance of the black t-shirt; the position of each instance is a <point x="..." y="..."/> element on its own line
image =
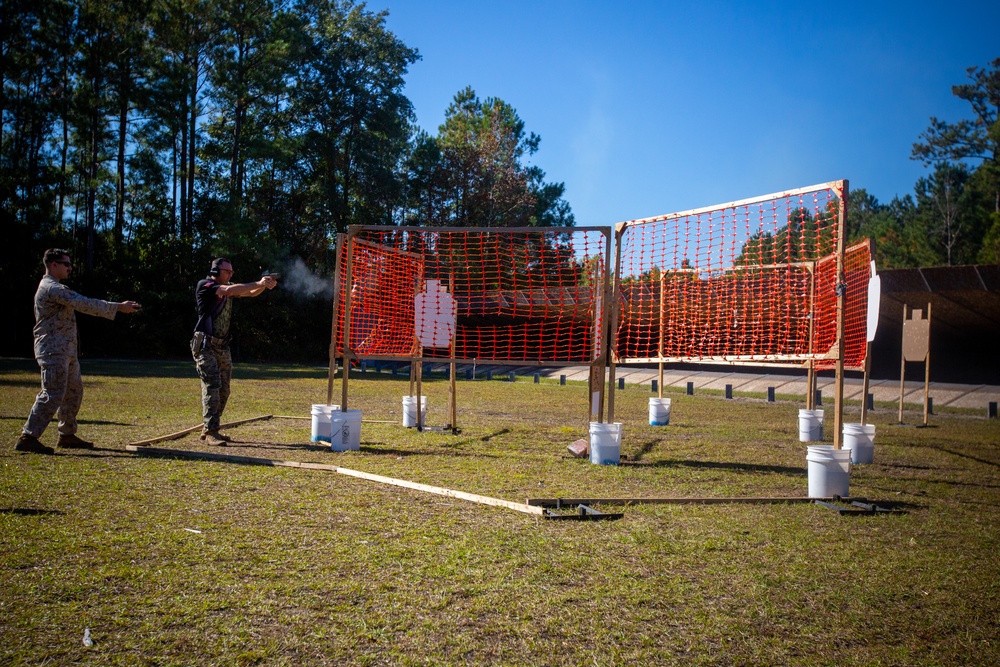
<point x="214" y="311"/>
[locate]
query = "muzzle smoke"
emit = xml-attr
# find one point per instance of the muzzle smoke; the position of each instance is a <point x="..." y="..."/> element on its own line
<point x="299" y="280"/>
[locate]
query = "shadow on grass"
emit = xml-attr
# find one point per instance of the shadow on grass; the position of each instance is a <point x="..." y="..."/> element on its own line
<point x="966" y="456"/>
<point x="485" y="438"/>
<point x="19" y="383"/>
<point x="736" y="467"/>
<point x="94" y="453"/>
<point x="949" y="482"/>
<point x="168" y="369"/>
<point x="92" y="422"/>
<point x="102" y="422"/>
<point x="256" y="444"/>
<point x="28" y="511"/>
<point x="374" y="448"/>
<point x="645" y="448"/>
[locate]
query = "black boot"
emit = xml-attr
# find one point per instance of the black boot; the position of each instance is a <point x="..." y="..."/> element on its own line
<point x="29" y="443"/>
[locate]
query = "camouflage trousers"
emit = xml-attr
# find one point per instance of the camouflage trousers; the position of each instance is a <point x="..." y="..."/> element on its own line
<point x="215" y="369"/>
<point x="61" y="394"/>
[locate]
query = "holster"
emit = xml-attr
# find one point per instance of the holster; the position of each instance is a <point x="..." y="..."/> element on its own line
<point x="198" y="342"/>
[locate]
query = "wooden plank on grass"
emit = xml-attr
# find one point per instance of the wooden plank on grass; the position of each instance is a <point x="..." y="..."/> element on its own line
<point x="554" y="502"/>
<point x="415" y="486"/>
<point x="181" y="434"/>
<point x="462" y="495"/>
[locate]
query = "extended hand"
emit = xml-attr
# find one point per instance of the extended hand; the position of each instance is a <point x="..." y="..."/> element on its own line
<point x="129" y="307"/>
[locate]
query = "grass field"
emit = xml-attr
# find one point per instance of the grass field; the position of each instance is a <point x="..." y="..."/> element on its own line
<point x="178" y="562"/>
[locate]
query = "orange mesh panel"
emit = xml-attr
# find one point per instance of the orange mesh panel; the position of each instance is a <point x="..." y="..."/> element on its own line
<point x="382" y="291"/>
<point x="732" y="283"/>
<point x="857" y="272"/>
<point x="519" y="296"/>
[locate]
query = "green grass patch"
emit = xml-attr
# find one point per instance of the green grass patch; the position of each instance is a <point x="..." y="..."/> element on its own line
<point x="178" y="562"/>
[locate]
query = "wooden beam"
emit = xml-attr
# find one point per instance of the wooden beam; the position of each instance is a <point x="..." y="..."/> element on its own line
<point x="499" y="231"/>
<point x="832" y="185"/>
<point x="415" y="486"/>
<point x="553" y="502"/>
<point x="181" y="434"/>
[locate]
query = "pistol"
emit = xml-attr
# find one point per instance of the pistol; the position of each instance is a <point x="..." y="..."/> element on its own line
<point x="276" y="276"/>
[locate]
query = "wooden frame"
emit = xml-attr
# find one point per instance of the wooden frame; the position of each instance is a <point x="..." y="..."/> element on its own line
<point x="841" y="191"/>
<point x="417" y="359"/>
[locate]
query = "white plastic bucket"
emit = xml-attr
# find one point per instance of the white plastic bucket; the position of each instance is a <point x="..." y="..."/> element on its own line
<point x="860" y="439"/>
<point x="410" y="411"/>
<point x="659" y="411"/>
<point x="605" y="443"/>
<point x="346" y="428"/>
<point x="321" y="427"/>
<point x="829" y="471"/>
<point x="810" y="425"/>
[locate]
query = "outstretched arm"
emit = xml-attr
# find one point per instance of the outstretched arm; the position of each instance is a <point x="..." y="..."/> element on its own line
<point x="248" y="289"/>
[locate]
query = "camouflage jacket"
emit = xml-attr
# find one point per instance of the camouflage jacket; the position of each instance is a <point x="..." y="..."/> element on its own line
<point x="55" y="317"/>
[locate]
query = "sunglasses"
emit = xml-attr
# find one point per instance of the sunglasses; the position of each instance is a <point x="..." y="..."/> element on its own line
<point x="64" y="263"/>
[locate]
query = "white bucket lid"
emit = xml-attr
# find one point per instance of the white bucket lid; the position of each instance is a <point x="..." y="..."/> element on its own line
<point x="827" y="453"/>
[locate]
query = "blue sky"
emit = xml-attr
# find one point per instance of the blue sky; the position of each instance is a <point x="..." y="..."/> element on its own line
<point x="646" y="108"/>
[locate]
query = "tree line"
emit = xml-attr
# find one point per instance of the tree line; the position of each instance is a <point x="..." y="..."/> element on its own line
<point x="149" y="136"/>
<point x="953" y="215"/>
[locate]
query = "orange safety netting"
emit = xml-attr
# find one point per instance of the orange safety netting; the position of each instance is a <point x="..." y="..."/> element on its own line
<point x="474" y="295"/>
<point x="857" y="273"/>
<point x="746" y="282"/>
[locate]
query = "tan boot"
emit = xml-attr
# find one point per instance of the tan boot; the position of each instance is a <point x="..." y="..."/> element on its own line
<point x="213" y="438"/>
<point x="218" y="434"/>
<point x="70" y="441"/>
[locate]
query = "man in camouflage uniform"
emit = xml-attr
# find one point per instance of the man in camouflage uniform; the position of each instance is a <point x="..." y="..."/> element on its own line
<point x="210" y="344"/>
<point x="56" y="350"/>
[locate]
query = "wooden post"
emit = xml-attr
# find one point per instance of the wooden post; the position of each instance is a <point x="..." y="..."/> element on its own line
<point x="413" y="375"/>
<point x="810" y="387"/>
<point x="927" y="368"/>
<point x="333" y="326"/>
<point x="420" y="386"/>
<point x="811" y="374"/>
<point x="347" y="316"/>
<point x="613" y="324"/>
<point x="453" y="397"/>
<point x="838" y="392"/>
<point x="902" y="370"/>
<point x="864" y="390"/>
<point x="452" y="386"/>
<point x="604" y="311"/>
<point x="663" y="326"/>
